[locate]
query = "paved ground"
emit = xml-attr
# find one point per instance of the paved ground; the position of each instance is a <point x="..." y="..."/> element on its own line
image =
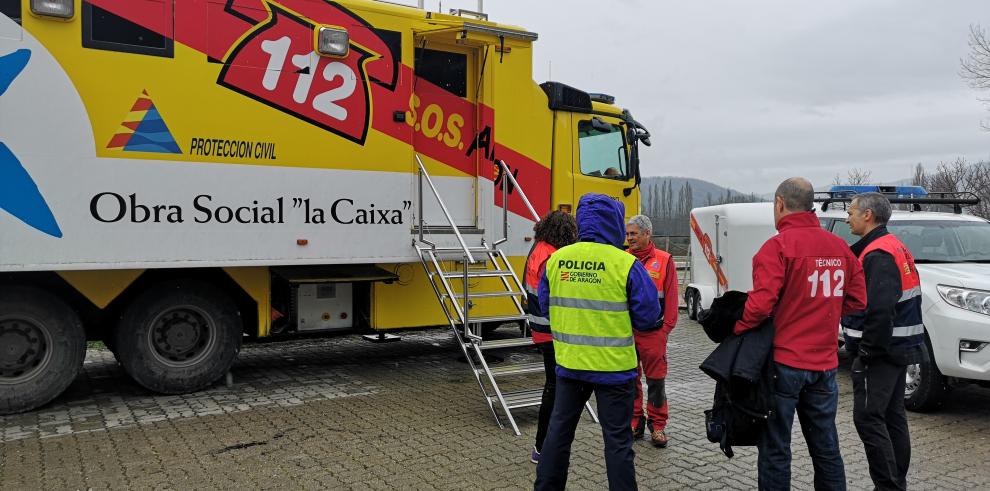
<point x="341" y="413"/>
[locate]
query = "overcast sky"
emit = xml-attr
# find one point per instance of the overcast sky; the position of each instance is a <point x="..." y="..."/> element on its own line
<point x="745" y="94"/>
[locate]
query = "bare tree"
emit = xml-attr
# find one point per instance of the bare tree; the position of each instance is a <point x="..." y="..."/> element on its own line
<point x="949" y="177"/>
<point x="975" y="68"/>
<point x="859" y="176"/>
<point x="978" y="181"/>
<point x="920" y="178"/>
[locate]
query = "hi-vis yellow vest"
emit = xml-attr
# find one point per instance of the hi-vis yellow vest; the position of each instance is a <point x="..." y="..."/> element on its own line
<point x="589" y="309"/>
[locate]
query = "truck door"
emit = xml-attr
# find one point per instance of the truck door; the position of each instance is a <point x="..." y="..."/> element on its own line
<point x="443" y="115"/>
<point x="601" y="160"/>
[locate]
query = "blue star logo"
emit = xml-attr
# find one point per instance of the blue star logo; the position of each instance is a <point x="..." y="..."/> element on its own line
<point x="19" y="194"/>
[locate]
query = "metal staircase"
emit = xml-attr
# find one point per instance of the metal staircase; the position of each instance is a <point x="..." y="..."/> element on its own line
<point x="454" y="273"/>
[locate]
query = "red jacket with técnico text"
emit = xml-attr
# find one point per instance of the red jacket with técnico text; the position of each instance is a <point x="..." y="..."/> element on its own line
<point x="806" y="278"/>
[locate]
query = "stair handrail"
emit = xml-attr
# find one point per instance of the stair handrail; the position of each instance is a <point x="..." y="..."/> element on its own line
<point x="443" y="207"/>
<point x="507" y="173"/>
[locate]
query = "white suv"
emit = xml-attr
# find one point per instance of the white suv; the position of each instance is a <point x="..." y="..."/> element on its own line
<point x="952" y="252"/>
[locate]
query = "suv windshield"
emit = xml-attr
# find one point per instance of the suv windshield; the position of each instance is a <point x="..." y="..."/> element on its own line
<point x="936" y="240"/>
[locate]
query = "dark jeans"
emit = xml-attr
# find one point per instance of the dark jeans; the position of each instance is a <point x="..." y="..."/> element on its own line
<point x="615" y="413"/>
<point x="815" y="397"/>
<point x="549" y="393"/>
<point x="878" y="411"/>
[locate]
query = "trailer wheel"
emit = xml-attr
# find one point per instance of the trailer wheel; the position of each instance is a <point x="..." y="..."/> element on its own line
<point x="925" y="388"/>
<point x="42" y="347"/>
<point x="178" y="337"/>
<point x="693" y="299"/>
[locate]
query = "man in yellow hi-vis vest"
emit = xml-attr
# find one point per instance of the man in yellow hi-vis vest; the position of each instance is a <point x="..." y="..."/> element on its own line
<point x="595" y="294"/>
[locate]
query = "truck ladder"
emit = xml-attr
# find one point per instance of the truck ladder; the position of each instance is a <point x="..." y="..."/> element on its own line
<point x="463" y="265"/>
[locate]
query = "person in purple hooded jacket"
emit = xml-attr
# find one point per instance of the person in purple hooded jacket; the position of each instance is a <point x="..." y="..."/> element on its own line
<point x="595" y="295"/>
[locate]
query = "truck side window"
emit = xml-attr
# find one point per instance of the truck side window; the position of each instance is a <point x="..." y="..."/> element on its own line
<point x="602" y="149"/>
<point x="146" y="30"/>
<point x="444" y="69"/>
<point x="12" y="9"/>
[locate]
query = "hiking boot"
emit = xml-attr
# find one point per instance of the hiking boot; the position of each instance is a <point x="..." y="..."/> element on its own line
<point x="534" y="456"/>
<point x="658" y="438"/>
<point x="639" y="429"/>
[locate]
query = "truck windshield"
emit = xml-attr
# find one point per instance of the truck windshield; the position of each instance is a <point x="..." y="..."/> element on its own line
<point x="943" y="241"/>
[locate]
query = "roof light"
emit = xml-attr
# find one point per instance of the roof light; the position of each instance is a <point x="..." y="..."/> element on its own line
<point x="603" y="98"/>
<point x="333" y="41"/>
<point x="63" y="9"/>
<point x="899" y="191"/>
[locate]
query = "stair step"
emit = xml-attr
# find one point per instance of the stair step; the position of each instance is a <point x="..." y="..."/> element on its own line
<point x="520" y="398"/>
<point x="457" y="250"/>
<point x="447" y="229"/>
<point x="487" y="295"/>
<point x="506" y="343"/>
<point x="497" y="318"/>
<point x="482" y="273"/>
<point x="515" y="369"/>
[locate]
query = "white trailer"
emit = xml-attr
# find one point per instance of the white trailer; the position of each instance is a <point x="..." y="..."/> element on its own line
<point x="724" y="239"/>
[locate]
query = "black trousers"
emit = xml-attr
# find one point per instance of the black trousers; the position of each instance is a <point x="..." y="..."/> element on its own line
<point x="549" y="393"/>
<point x="615" y="404"/>
<point x="878" y="412"/>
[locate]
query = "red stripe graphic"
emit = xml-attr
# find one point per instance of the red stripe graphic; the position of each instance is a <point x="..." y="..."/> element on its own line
<point x="119" y="140"/>
<point x="141" y="104"/>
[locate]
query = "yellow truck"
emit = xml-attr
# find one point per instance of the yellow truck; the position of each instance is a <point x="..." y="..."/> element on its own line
<point x="176" y="175"/>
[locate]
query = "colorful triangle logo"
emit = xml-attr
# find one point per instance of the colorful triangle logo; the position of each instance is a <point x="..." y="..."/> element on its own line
<point x="144" y="130"/>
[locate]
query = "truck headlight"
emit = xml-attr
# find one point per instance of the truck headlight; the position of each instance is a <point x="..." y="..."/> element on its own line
<point x="63" y="9"/>
<point x="965" y="298"/>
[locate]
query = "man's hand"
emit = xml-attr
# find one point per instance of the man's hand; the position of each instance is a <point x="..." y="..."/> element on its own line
<point x="858" y="366"/>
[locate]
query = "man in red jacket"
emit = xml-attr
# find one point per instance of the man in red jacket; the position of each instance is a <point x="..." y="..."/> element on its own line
<point x="805" y="278"/>
<point x="651" y="346"/>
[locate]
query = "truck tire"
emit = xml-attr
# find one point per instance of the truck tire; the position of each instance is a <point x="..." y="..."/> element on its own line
<point x="692" y="299"/>
<point x="925" y="388"/>
<point x="178" y="337"/>
<point x="42" y="347"/>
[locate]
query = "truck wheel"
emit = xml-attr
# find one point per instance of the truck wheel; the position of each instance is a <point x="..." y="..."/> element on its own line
<point x="178" y="337"/>
<point x="42" y="347"/>
<point x="693" y="300"/>
<point x="925" y="388"/>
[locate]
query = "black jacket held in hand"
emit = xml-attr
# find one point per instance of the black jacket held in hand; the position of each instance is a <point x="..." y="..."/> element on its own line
<point x="883" y="291"/>
<point x="742" y="366"/>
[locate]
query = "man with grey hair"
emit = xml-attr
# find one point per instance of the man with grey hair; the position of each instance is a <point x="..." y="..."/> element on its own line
<point x="651" y="346"/>
<point x="805" y="278"/>
<point x="885" y="338"/>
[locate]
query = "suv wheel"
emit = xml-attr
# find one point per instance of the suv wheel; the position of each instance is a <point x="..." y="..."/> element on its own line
<point x="925" y="388"/>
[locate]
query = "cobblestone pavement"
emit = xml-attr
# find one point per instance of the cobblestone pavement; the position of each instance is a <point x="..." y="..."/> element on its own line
<point x="343" y="413"/>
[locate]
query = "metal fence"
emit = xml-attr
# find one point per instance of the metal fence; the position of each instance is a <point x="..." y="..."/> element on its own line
<point x="678" y="246"/>
<point x="675" y="245"/>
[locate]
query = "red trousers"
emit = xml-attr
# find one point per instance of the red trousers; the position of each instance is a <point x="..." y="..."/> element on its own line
<point x="651" y="348"/>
